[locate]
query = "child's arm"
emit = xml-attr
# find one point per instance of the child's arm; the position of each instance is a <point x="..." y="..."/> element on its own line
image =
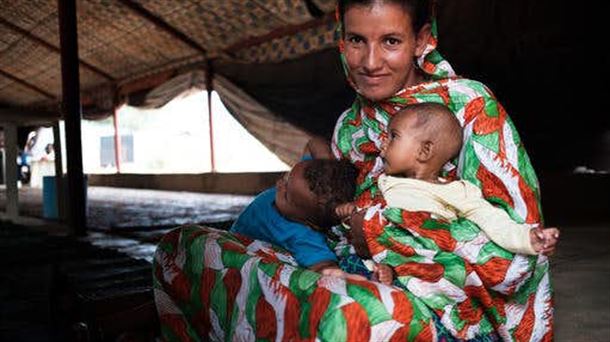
<point x="318" y="148"/>
<point x="501" y="229"/>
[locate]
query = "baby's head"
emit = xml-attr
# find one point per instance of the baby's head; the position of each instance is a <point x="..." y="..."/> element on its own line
<point x="310" y="192"/>
<point x="421" y="139"/>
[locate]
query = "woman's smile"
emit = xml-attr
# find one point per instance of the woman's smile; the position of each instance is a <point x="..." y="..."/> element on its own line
<point x="372" y="80"/>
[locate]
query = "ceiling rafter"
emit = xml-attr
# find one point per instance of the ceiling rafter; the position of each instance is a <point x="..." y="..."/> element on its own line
<point x="27" y="84"/>
<point x="162" y="24"/>
<point x="52" y="47"/>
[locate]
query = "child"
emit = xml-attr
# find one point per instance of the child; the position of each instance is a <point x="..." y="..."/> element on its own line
<point x="422" y="138"/>
<point x="293" y="213"/>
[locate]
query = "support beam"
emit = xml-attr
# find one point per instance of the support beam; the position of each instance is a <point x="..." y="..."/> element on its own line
<point x="52" y="47"/>
<point x="26" y="84"/>
<point x="68" y="37"/>
<point x="117" y="140"/>
<point x="209" y="77"/>
<point x="163" y="25"/>
<point x="59" y="173"/>
<point x="11" y="170"/>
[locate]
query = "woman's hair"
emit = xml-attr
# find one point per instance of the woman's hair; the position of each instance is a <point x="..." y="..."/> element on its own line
<point x="333" y="182"/>
<point x="418" y="10"/>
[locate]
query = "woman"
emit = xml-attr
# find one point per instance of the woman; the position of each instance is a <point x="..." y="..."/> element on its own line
<point x="389" y="55"/>
<point x="210" y="284"/>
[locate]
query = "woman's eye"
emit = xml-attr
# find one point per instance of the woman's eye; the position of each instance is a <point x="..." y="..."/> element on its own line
<point x="354" y="39"/>
<point x="392" y="41"/>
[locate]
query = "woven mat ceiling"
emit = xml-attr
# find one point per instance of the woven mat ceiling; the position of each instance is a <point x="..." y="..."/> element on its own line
<point x="124" y="40"/>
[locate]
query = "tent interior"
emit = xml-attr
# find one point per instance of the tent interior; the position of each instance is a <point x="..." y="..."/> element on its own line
<point x="276" y="67"/>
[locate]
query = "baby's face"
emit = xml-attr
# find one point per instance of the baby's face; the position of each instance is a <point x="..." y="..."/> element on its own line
<point x="293" y="198"/>
<point x="400" y="147"/>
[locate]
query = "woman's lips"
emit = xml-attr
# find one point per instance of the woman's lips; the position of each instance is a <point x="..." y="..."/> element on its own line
<point x="372" y="79"/>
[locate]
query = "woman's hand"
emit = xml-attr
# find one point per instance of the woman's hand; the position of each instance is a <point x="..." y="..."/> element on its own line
<point x="544" y="240"/>
<point x="383" y="273"/>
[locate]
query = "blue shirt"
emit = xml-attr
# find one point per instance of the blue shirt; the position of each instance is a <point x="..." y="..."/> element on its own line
<point x="261" y="220"/>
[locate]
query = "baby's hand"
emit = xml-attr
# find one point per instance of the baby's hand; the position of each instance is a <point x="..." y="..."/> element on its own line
<point x="345" y="210"/>
<point x="544" y="240"/>
<point x="383" y="273"/>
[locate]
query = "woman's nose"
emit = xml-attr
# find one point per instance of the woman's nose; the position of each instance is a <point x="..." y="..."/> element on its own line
<point x="373" y="58"/>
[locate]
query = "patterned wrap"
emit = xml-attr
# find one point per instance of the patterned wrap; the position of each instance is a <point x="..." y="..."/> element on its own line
<point x="213" y="285"/>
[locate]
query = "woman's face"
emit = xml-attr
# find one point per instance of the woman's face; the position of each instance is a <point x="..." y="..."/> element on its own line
<point x="380" y="46"/>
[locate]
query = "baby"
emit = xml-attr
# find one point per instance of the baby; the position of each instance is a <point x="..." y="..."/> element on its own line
<point x="295" y="213"/>
<point x="421" y="139"/>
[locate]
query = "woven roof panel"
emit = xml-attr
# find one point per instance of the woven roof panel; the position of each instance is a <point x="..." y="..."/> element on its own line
<point x="27" y="14"/>
<point x="7" y="38"/>
<point x="18" y="95"/>
<point x="217" y="24"/>
<point x="287" y="47"/>
<point x="112" y="33"/>
<point x="27" y="59"/>
<point x="123" y="43"/>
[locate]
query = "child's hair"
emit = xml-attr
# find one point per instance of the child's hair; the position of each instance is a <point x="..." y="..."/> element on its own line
<point x="333" y="182"/>
<point x="435" y="122"/>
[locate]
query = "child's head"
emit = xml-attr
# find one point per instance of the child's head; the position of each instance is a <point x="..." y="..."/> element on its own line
<point x="422" y="136"/>
<point x="312" y="190"/>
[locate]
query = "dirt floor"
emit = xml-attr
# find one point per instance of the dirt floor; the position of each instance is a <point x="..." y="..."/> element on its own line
<point x="112" y="208"/>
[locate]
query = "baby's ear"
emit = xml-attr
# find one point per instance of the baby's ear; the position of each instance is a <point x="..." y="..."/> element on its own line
<point x="425" y="151"/>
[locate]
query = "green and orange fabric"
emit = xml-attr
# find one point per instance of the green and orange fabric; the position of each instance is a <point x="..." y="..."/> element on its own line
<point x="213" y="285"/>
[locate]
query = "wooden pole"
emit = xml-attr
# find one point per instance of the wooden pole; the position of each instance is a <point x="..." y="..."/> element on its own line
<point x="209" y="75"/>
<point x="117" y="140"/>
<point x="68" y="39"/>
<point x="59" y="173"/>
<point x="11" y="170"/>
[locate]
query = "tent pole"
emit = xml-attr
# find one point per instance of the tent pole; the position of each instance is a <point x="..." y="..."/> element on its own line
<point x="117" y="140"/>
<point x="59" y="173"/>
<point x="11" y="170"/>
<point x="68" y="39"/>
<point x="209" y="74"/>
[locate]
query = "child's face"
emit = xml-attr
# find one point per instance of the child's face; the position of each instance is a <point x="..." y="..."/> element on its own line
<point x="293" y="198"/>
<point x="400" y="148"/>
